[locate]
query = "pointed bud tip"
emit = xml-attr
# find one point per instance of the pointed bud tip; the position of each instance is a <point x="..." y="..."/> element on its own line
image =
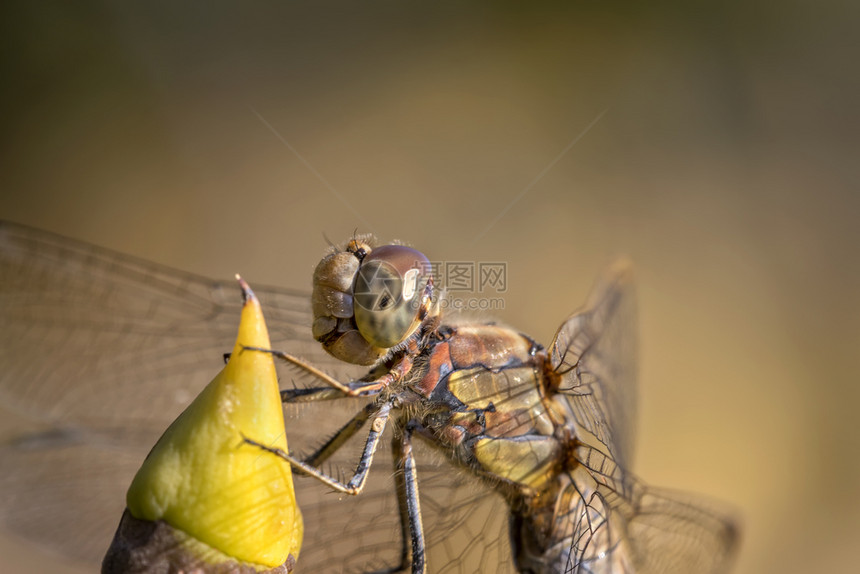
<point x="247" y="293"/>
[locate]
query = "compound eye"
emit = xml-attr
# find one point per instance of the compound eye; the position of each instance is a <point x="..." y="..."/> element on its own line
<point x="388" y="290"/>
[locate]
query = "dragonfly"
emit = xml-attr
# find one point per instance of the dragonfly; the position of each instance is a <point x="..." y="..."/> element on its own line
<point x="504" y="455"/>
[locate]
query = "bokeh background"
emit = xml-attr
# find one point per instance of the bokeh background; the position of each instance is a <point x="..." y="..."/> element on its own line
<point x="715" y="143"/>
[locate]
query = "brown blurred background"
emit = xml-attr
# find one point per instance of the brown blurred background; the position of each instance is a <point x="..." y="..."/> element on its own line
<point x="221" y="138"/>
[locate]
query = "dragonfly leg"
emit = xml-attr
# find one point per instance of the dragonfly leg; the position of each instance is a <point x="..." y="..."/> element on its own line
<point x="360" y="389"/>
<point x="402" y="506"/>
<point x="409" y="504"/>
<point x="399" y="482"/>
<point x="411" y="529"/>
<point x="341" y="436"/>
<point x="309" y="369"/>
<point x="335" y="388"/>
<point x="356" y="483"/>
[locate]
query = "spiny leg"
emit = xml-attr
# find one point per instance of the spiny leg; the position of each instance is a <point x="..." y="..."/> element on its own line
<point x="313" y="394"/>
<point x="356" y="483"/>
<point x="307" y="368"/>
<point x="334" y="389"/>
<point x="402" y="365"/>
<point x="409" y="498"/>
<point x="345" y="433"/>
<point x="402" y="507"/>
<point x="359" y="389"/>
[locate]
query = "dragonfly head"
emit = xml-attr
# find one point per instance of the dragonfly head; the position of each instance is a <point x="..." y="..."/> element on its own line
<point x="368" y="299"/>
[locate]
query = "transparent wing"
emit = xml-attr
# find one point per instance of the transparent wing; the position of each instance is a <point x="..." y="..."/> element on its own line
<point x="87" y="332"/>
<point x="465" y="524"/>
<point x="676" y="532"/>
<point x="101" y="351"/>
<point x="594" y="352"/>
<point x="608" y="521"/>
<point x="613" y="524"/>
